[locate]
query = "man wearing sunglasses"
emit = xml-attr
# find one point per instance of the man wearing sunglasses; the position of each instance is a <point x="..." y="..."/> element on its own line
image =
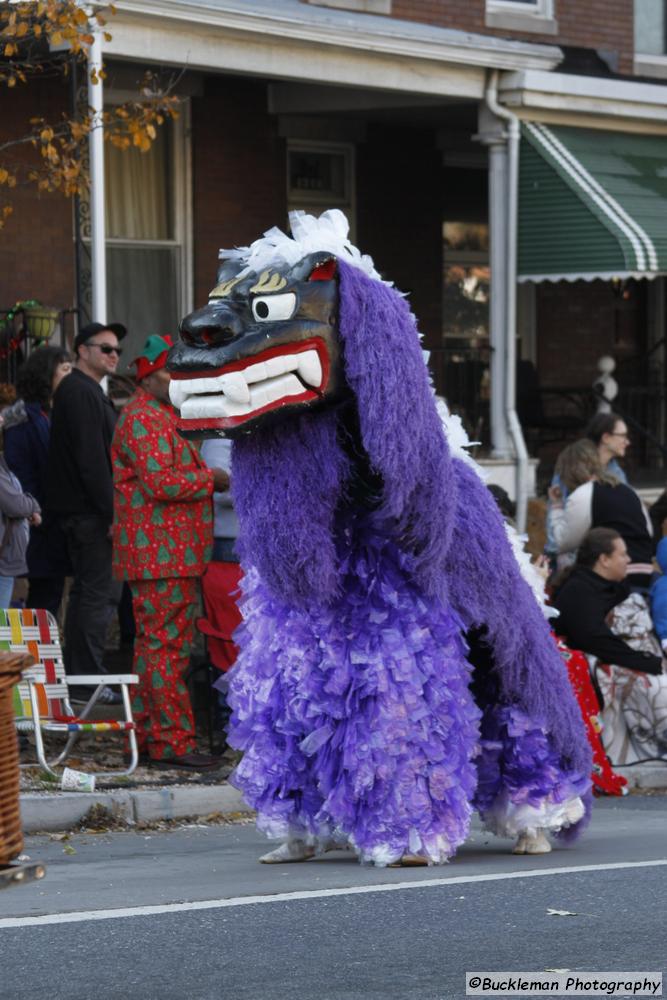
<point x="79" y="493"/>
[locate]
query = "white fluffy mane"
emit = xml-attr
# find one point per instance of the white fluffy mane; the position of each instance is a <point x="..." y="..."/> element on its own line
<point x="310" y="234"/>
<point x="457" y="437"/>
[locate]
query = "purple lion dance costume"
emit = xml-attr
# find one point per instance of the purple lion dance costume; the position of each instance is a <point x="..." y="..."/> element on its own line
<point x="396" y="671"/>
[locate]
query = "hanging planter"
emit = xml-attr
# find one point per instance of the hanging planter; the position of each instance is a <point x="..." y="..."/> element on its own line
<point x="40" y="321"/>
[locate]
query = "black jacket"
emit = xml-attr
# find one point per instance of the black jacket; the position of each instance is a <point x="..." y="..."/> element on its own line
<point x="620" y="508"/>
<point x="79" y="478"/>
<point x="584" y="601"/>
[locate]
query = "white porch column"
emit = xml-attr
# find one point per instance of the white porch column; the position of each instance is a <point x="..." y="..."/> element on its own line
<point x="96" y="146"/>
<point x="492" y="135"/>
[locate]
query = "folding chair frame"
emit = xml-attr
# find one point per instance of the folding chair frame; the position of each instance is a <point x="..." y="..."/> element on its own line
<point x="36" y="724"/>
<point x="36" y="633"/>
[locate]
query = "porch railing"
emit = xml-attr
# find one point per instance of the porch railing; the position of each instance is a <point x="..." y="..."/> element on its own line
<point x="461" y="376"/>
<point x="550" y="414"/>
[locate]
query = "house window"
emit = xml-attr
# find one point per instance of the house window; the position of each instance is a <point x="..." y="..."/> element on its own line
<point x="544" y="7"/>
<point x="651" y="27"/>
<point x="651" y="38"/>
<point x="522" y="15"/>
<point x="465" y="312"/>
<point x="461" y="364"/>
<point x="321" y="176"/>
<point x="147" y="237"/>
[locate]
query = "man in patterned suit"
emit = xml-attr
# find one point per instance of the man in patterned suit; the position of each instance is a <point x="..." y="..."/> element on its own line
<point x="162" y="536"/>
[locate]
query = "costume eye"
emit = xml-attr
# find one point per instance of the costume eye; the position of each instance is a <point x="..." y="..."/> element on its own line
<point x="267" y="308"/>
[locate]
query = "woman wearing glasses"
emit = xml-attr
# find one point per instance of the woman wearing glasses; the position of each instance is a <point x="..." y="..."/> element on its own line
<point x="609" y="434"/>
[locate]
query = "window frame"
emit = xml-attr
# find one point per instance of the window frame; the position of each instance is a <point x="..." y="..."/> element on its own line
<point x="652" y="63"/>
<point x="359" y="6"/>
<point x="318" y="201"/>
<point x="519" y="16"/>
<point x="455" y="257"/>
<point x="181" y="200"/>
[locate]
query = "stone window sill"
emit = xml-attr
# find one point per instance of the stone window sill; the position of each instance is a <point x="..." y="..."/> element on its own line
<point x="510" y="21"/>
<point x="361" y="6"/>
<point x="650" y="65"/>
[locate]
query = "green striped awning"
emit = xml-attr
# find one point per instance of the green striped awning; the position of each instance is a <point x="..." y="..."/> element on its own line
<point x="592" y="204"/>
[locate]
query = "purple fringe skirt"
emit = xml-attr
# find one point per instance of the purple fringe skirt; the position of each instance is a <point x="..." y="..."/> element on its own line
<point x="356" y="720"/>
<point x="521" y="785"/>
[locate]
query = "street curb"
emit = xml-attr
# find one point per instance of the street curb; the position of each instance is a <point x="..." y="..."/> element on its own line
<point x="647" y="776"/>
<point x="49" y="811"/>
<point x="58" y="811"/>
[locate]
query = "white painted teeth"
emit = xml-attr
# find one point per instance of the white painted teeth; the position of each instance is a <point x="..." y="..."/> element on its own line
<point x="177" y="393"/>
<point x="274" y="388"/>
<point x="240" y="392"/>
<point x="307" y="364"/>
<point x="202" y="405"/>
<point x="235" y="387"/>
<point x="310" y="368"/>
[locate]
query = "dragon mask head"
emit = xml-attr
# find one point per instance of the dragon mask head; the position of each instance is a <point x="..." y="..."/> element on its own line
<point x="300" y="341"/>
<point x="266" y="346"/>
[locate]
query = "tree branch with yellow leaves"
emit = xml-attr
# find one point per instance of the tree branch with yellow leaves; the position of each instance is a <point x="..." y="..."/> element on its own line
<point x="30" y="32"/>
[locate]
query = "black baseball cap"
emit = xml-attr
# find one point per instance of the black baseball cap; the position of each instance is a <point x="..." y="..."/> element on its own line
<point x="86" y="332"/>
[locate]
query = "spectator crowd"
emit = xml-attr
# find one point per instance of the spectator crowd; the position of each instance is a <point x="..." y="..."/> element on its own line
<point x="137" y="517"/>
<point x="609" y="589"/>
<point x="115" y="503"/>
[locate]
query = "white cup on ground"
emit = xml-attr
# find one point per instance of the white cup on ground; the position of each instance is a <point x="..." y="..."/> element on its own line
<point x="77" y="781"/>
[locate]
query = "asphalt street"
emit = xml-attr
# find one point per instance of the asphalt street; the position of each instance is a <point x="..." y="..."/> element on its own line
<point x="189" y="915"/>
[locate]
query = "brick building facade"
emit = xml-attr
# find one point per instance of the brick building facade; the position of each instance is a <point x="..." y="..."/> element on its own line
<point x="387" y="106"/>
<point x="603" y="25"/>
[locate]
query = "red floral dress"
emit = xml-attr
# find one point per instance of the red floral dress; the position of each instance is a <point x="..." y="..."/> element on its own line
<point x="604" y="778"/>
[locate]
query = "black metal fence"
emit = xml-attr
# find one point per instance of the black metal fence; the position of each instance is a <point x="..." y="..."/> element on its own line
<point x="644" y="409"/>
<point x="550" y="415"/>
<point x="461" y="375"/>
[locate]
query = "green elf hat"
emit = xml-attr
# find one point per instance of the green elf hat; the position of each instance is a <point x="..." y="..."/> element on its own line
<point x="154" y="355"/>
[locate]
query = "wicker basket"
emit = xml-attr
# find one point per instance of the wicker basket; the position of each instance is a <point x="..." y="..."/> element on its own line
<point x="11" y="837"/>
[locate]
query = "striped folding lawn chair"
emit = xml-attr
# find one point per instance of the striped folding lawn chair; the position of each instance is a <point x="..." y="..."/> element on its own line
<point x="41" y="699"/>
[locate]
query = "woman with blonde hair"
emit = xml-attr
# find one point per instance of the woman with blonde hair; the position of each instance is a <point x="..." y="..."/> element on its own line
<point x="597" y="499"/>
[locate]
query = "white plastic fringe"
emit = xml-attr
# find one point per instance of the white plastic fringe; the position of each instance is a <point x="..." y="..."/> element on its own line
<point x="310" y="234"/>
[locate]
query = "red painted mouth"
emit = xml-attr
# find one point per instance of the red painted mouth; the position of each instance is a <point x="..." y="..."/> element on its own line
<point x="309" y="393"/>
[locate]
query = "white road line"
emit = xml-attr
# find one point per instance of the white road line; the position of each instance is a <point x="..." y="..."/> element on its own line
<point x="288" y="897"/>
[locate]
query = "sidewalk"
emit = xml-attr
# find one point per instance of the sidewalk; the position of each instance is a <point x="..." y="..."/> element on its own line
<point x="147" y="795"/>
<point x="57" y="810"/>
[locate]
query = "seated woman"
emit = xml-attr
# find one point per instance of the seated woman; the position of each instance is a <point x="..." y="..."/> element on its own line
<point x="631" y="680"/>
<point x="605" y="781"/>
<point x="598" y="500"/>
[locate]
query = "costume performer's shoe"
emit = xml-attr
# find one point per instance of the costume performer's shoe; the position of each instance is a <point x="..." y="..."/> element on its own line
<point x="529" y="843"/>
<point x="409" y="861"/>
<point x="299" y="850"/>
<point x="291" y="850"/>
